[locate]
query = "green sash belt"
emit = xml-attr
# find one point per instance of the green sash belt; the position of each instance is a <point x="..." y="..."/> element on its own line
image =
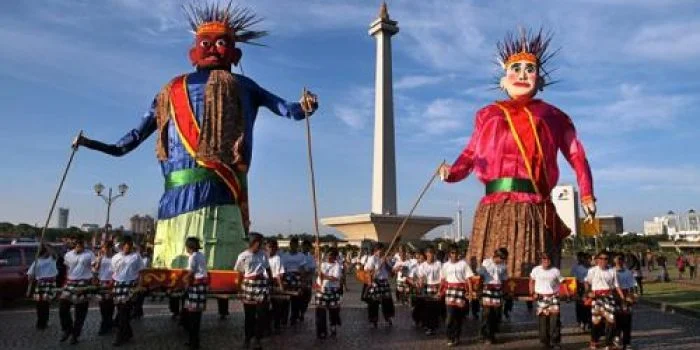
<point x="188" y="176"/>
<point x="510" y="184"/>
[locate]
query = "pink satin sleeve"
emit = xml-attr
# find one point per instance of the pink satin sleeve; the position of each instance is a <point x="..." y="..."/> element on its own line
<point x="574" y="153"/>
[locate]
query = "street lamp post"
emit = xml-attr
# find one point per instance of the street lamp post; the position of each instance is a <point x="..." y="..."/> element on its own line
<point x="109" y="198"/>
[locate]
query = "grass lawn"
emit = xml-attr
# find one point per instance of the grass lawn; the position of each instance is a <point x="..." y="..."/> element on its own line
<point x="680" y="295"/>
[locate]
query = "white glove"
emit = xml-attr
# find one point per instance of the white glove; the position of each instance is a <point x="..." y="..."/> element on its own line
<point x="589" y="209"/>
<point x="444" y="171"/>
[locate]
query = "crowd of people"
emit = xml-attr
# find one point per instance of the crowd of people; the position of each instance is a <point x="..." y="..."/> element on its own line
<point x="277" y="288"/>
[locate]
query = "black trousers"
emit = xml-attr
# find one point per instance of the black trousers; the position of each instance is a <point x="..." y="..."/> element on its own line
<point x="124" y="331"/>
<point x="322" y="316"/>
<point x="476" y="307"/>
<point x="489" y="322"/>
<point x="373" y="309"/>
<point x="431" y="313"/>
<point x="255" y="320"/>
<point x="305" y="301"/>
<point x="583" y="313"/>
<point x="280" y="312"/>
<point x="624" y="327"/>
<point x="507" y="306"/>
<point x="417" y="311"/>
<point x="68" y="325"/>
<point x="639" y="280"/>
<point x="222" y="306"/>
<point x="603" y="329"/>
<point x="455" y="315"/>
<point x="42" y="313"/>
<point x="193" y="321"/>
<point x="549" y="328"/>
<point x="174" y="305"/>
<point x="107" y="314"/>
<point x="137" y="307"/>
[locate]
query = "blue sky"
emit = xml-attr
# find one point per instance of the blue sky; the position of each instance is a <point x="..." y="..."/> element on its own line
<point x="628" y="78"/>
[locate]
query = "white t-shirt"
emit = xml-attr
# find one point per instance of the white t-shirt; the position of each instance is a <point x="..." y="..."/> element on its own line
<point x="252" y="264"/>
<point x="402" y="268"/>
<point x="126" y="267"/>
<point x="600" y="279"/>
<point x="493" y="273"/>
<point x="457" y="272"/>
<point x="45" y="268"/>
<point x="79" y="265"/>
<point x="547" y="281"/>
<point x="105" y="272"/>
<point x="626" y="279"/>
<point x="430" y="273"/>
<point x="293" y="262"/>
<point x="331" y="270"/>
<point x="579" y="271"/>
<point x="197" y="263"/>
<point x="374" y="263"/>
<point x="276" y="266"/>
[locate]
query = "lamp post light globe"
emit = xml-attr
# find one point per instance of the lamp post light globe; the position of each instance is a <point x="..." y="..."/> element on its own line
<point x="99" y="187"/>
<point x="123" y="188"/>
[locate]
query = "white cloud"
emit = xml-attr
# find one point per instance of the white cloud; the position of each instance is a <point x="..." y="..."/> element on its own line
<point x="670" y="41"/>
<point x="680" y="178"/>
<point x="356" y="111"/>
<point x="446" y="115"/>
<point x="416" y="81"/>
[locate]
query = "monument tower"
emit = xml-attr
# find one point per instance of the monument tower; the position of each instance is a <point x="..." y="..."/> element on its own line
<point x="383" y="220"/>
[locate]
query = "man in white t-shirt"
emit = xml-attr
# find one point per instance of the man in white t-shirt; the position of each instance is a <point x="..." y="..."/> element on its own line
<point x="401" y="266"/>
<point x="545" y="281"/>
<point x="493" y="276"/>
<point x="293" y="262"/>
<point x="623" y="318"/>
<point x="277" y="302"/>
<point x="78" y="263"/>
<point x="125" y="266"/>
<point x="379" y="291"/>
<point x="603" y="287"/>
<point x="255" y="267"/>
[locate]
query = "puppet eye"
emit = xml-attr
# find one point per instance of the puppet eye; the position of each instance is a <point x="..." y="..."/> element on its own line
<point x="530" y="69"/>
<point x="204" y="43"/>
<point x="221" y="42"/>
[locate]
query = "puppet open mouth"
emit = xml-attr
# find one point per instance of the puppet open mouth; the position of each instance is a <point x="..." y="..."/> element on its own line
<point x="519" y="84"/>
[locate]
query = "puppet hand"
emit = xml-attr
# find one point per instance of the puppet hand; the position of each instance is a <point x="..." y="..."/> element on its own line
<point x="78" y="141"/>
<point x="589" y="209"/>
<point x="308" y="102"/>
<point x="444" y="172"/>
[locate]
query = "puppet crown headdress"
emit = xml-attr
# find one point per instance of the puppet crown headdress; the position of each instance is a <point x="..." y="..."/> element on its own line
<point x="527" y="46"/>
<point x="212" y="18"/>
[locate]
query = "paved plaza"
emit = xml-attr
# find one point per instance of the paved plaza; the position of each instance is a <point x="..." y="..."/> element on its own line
<point x="653" y="329"/>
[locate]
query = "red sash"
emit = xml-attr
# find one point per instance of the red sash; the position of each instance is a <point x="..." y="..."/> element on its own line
<point x="188" y="130"/>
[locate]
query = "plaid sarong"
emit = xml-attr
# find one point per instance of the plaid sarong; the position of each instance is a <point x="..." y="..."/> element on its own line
<point x="379" y="290"/>
<point x="403" y="287"/>
<point x="431" y="290"/>
<point x="105" y="291"/>
<point x="196" y="298"/>
<point x="76" y="291"/>
<point x="124" y="292"/>
<point x="547" y="304"/>
<point x="255" y="290"/>
<point x="492" y="295"/>
<point x="456" y="295"/>
<point x="604" y="307"/>
<point x="292" y="281"/>
<point x="45" y="289"/>
<point x="328" y="297"/>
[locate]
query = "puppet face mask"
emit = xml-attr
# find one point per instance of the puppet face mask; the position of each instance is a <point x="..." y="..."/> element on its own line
<point x="214" y="51"/>
<point x="521" y="79"/>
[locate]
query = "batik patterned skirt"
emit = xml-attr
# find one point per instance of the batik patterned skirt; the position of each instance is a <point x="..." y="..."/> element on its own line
<point x="196" y="299"/>
<point x="456" y="295"/>
<point x="105" y="291"/>
<point x="45" y="289"/>
<point x="328" y="297"/>
<point x="492" y="295"/>
<point x="402" y="287"/>
<point x="604" y="307"/>
<point x="76" y="291"/>
<point x="292" y="281"/>
<point x="124" y="292"/>
<point x="547" y="304"/>
<point x="255" y="290"/>
<point x="379" y="290"/>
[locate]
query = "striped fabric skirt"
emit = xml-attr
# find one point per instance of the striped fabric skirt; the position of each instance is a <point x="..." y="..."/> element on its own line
<point x="76" y="291"/>
<point x="379" y="290"/>
<point x="196" y="298"/>
<point x="456" y="295"/>
<point x="255" y="290"/>
<point x="604" y="307"/>
<point x="106" y="290"/>
<point x="402" y="287"/>
<point x="547" y="304"/>
<point x="45" y="289"/>
<point x="123" y="292"/>
<point x="329" y="297"/>
<point x="492" y="296"/>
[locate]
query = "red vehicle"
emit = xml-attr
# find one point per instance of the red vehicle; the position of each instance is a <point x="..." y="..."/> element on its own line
<point x="15" y="260"/>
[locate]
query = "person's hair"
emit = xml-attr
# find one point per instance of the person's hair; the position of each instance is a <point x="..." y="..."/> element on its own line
<point x="78" y="239"/>
<point x="620" y="256"/>
<point x="127" y="240"/>
<point x="272" y="242"/>
<point x="602" y="252"/>
<point x="306" y="243"/>
<point x="430" y="250"/>
<point x="501" y="253"/>
<point x="294" y="240"/>
<point x="333" y="252"/>
<point x="192" y="243"/>
<point x="378" y="246"/>
<point x="254" y="238"/>
<point x="453" y="248"/>
<point x="43" y="249"/>
<point x="544" y="255"/>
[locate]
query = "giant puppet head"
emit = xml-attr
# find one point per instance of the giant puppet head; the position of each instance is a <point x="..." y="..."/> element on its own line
<point x="217" y="29"/>
<point x="523" y="60"/>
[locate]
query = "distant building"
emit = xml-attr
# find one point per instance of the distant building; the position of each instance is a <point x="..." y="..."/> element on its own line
<point x="142" y="224"/>
<point x="611" y="224"/>
<point x="89" y="227"/>
<point x="63" y="217"/>
<point x="566" y="203"/>
<point x="677" y="226"/>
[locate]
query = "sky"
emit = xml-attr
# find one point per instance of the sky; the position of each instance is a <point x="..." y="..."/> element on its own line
<point x="627" y="75"/>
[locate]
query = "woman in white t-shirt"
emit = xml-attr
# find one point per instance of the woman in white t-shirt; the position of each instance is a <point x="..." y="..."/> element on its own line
<point x="103" y="268"/>
<point x="43" y="270"/>
<point x="455" y="276"/>
<point x="545" y="281"/>
<point x="379" y="291"/>
<point x="401" y="267"/>
<point x="429" y="282"/>
<point x="328" y="294"/>
<point x="197" y="280"/>
<point x="602" y="285"/>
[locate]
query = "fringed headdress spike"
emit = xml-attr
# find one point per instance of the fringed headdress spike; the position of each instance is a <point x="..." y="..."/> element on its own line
<point x="527" y="46"/>
<point x="233" y="20"/>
